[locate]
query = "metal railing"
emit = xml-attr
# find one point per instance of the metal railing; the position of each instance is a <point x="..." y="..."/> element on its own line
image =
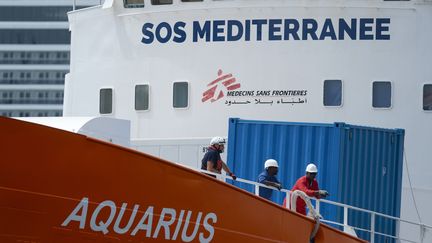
<point x="318" y="203"/>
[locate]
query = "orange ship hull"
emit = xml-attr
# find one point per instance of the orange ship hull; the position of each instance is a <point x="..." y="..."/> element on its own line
<point x="57" y="186"/>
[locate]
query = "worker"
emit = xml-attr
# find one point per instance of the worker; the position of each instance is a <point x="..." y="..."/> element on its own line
<point x="268" y="177"/>
<point x="212" y="160"/>
<point x="309" y="185"/>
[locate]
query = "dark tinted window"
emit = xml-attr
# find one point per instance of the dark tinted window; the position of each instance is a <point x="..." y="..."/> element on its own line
<point x="32" y="36"/>
<point x="133" y="3"/>
<point x="180" y="95"/>
<point x="332" y="93"/>
<point x="381" y="94"/>
<point x="34" y="77"/>
<point x="34" y="57"/>
<point x="50" y="97"/>
<point x="161" y="2"/>
<point x="427" y="97"/>
<point x="105" y="101"/>
<point x="33" y="13"/>
<point x="141" y="97"/>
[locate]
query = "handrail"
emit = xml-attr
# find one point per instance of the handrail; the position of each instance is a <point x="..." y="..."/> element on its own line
<point x="373" y="214"/>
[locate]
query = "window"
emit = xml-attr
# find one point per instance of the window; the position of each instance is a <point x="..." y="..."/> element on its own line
<point x="105" y="101"/>
<point x="427" y="97"/>
<point x="161" y="2"/>
<point x="34" y="13"/>
<point x="381" y="94"/>
<point x="133" y="3"/>
<point x="332" y="93"/>
<point x="34" y="36"/>
<point x="142" y="97"/>
<point x="180" y="95"/>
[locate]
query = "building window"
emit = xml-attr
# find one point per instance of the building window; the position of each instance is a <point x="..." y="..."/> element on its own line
<point x="427" y="97"/>
<point x="133" y="3"/>
<point x="34" y="36"/>
<point x="332" y="93"/>
<point x="34" y="13"/>
<point x="180" y="94"/>
<point x="381" y="94"/>
<point x="161" y="2"/>
<point x="142" y="97"/>
<point x="105" y="101"/>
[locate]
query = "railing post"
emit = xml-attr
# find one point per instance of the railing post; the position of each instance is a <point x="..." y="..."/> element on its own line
<point x="345" y="219"/>
<point x="317" y="206"/>
<point x="372" y="227"/>
<point x="74" y="4"/>
<point x="288" y="199"/>
<point x="257" y="189"/>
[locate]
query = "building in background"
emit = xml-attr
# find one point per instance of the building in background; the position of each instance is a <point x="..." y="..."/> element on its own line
<point x="34" y="55"/>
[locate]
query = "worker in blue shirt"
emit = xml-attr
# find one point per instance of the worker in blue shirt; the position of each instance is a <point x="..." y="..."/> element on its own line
<point x="212" y="160"/>
<point x="268" y="177"/>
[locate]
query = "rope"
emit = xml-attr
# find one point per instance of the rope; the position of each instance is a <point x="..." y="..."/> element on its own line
<point x="315" y="215"/>
<point x="410" y="185"/>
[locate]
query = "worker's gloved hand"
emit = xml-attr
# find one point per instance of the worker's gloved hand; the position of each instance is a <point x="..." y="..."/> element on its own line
<point x="323" y="193"/>
<point x="278" y="186"/>
<point x="233" y="176"/>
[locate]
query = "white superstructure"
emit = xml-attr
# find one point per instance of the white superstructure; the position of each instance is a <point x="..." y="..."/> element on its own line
<point x="179" y="70"/>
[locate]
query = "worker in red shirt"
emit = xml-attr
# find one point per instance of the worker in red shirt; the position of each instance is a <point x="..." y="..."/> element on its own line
<point x="308" y="185"/>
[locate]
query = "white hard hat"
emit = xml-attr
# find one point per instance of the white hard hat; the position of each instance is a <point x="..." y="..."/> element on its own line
<point x="217" y="140"/>
<point x="311" y="168"/>
<point x="270" y="163"/>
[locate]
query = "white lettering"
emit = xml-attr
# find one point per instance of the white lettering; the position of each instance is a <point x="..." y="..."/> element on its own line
<point x="165" y="224"/>
<point x="167" y="221"/>
<point x="208" y="227"/>
<point x="147" y="227"/>
<point x="103" y="226"/>
<point x="74" y="215"/>
<point x="117" y="228"/>
<point x="190" y="238"/>
<point x="179" y="223"/>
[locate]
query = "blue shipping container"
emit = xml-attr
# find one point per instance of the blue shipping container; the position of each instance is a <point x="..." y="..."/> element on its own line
<point x="360" y="166"/>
